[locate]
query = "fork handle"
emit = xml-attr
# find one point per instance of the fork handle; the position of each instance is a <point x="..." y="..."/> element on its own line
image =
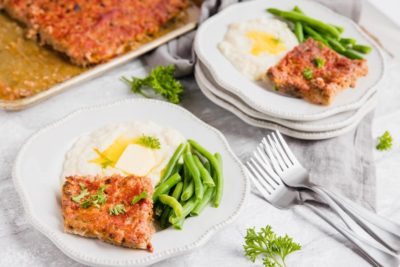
<point x="359" y="225"/>
<point x="375" y="256"/>
<point x="384" y="229"/>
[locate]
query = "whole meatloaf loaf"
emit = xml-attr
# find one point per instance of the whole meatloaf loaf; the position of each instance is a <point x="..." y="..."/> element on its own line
<point x="102" y="208"/>
<point x="93" y="31"/>
<point x="315" y="72"/>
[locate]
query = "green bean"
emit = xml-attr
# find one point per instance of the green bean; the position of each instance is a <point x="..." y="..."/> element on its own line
<point x="364" y="49"/>
<point x="315" y="35"/>
<point x="298" y="10"/>
<point x="172" y="203"/>
<point x="164" y="217"/>
<point x="188" y="191"/>
<point x="216" y="167"/>
<point x="347" y="41"/>
<point x="349" y="53"/>
<point x="335" y="44"/>
<point x="220" y="181"/>
<point x="168" y="171"/>
<point x="208" y="194"/>
<point x="204" y="174"/>
<point x="207" y="165"/>
<point x="167" y="211"/>
<point x="298" y="27"/>
<point x="166" y="186"/>
<point x="298" y="17"/>
<point x="340" y="29"/>
<point x="194" y="172"/>
<point x="298" y="31"/>
<point x="177" y="221"/>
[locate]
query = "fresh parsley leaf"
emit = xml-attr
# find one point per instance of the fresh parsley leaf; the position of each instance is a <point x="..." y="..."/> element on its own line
<point x="266" y="243"/>
<point x="319" y="62"/>
<point x="86" y="204"/>
<point x="308" y="74"/>
<point x="385" y="141"/>
<point x="100" y="198"/>
<point x="84" y="192"/>
<point x="139" y="197"/>
<point x="117" y="210"/>
<point x="161" y="79"/>
<point x="149" y="141"/>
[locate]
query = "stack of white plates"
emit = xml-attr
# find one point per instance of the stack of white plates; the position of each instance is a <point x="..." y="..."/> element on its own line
<point x="259" y="105"/>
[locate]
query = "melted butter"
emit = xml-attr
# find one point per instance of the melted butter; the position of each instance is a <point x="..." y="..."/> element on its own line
<point x="264" y="43"/>
<point x="110" y="156"/>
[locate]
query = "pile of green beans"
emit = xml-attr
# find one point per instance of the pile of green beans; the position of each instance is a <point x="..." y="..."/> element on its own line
<point x="330" y="35"/>
<point x="191" y="180"/>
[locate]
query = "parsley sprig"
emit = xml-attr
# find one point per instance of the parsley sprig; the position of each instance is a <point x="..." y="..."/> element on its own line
<point x="117" y="210"/>
<point x="308" y="74"/>
<point x="266" y="243"/>
<point x="149" y="141"/>
<point x="385" y="141"/>
<point x="319" y="62"/>
<point x="84" y="192"/>
<point x="139" y="197"/>
<point x="97" y="199"/>
<point x="161" y="79"/>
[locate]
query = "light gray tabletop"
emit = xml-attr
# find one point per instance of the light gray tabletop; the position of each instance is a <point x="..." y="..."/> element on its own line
<point x="21" y="245"/>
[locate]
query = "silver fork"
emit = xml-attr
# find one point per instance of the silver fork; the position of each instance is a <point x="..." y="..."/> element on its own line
<point x="279" y="195"/>
<point x="275" y="150"/>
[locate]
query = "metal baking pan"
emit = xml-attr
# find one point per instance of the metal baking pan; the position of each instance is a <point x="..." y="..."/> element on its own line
<point x="188" y="24"/>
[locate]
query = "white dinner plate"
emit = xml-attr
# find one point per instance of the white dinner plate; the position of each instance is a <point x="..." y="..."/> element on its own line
<point x="264" y="99"/>
<point x="333" y="122"/>
<point x="39" y="163"/>
<point x="369" y="105"/>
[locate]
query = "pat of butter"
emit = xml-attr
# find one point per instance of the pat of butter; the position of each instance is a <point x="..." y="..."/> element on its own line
<point x="137" y="160"/>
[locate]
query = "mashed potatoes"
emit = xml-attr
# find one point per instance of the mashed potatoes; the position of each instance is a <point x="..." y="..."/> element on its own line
<point x="255" y="45"/>
<point x="138" y="148"/>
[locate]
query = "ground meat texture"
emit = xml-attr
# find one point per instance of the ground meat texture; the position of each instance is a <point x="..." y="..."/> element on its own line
<point x="299" y="74"/>
<point x="93" y="31"/>
<point x="132" y="229"/>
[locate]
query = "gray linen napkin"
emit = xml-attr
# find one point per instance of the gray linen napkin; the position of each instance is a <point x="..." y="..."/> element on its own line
<point x="343" y="164"/>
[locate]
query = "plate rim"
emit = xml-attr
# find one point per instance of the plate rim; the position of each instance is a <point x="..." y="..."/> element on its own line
<point x="285" y="115"/>
<point x="151" y="258"/>
<point x="294" y="125"/>
<point x="285" y="130"/>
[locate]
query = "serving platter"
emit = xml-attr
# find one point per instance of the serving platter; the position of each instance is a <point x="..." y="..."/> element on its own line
<point x="189" y="23"/>
<point x="334" y="122"/>
<point x="264" y="99"/>
<point x="39" y="164"/>
<point x="204" y="86"/>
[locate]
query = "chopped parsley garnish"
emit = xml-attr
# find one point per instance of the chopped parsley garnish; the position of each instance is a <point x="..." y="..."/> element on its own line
<point x="84" y="192"/>
<point x="86" y="204"/>
<point x="385" y="141"/>
<point x="266" y="243"/>
<point x="161" y="79"/>
<point x="139" y="197"/>
<point x="319" y="62"/>
<point x="100" y="198"/>
<point x="149" y="141"/>
<point x="117" y="210"/>
<point x="308" y="74"/>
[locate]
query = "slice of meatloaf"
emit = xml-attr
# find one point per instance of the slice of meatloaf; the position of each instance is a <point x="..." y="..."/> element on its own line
<point x="93" y="31"/>
<point x="101" y="208"/>
<point x="315" y="72"/>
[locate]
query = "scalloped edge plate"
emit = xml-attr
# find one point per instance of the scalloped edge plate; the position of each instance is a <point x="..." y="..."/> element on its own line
<point x="39" y="162"/>
<point x="265" y="100"/>
<point x="274" y="126"/>
<point x="331" y="123"/>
